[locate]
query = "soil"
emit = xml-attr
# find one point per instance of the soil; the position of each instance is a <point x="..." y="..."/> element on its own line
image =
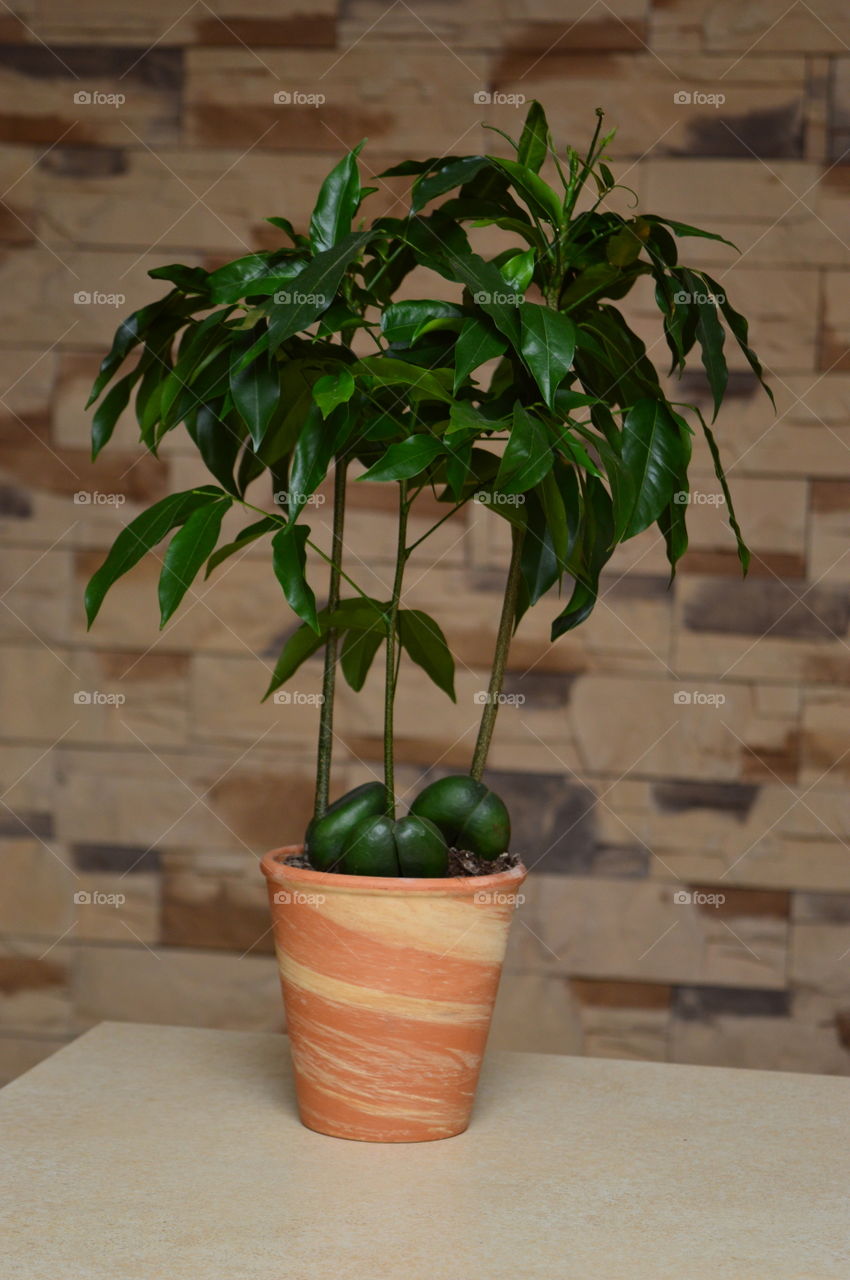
<point x="461" y="863"/>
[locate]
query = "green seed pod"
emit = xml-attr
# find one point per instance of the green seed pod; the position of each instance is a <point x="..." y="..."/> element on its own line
<point x="326" y="837"/>
<point x="470" y="816"/>
<point x="422" y="849"/>
<point x="370" y="849"/>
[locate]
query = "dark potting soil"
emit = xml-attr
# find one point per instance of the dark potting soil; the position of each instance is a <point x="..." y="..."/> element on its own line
<point x="461" y="863"/>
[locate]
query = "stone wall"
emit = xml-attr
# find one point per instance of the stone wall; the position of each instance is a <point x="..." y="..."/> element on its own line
<point x="637" y="810"/>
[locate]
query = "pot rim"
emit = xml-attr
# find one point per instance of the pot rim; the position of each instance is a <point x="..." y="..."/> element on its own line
<point x="403" y="885"/>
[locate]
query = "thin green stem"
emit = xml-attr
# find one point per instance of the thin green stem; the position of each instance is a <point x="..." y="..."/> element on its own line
<point x="390" y="677"/>
<point x="326" y="715"/>
<point x="500" y="657"/>
<point x="436" y="526"/>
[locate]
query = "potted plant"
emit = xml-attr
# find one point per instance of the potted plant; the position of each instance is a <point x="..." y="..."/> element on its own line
<point x="303" y="362"/>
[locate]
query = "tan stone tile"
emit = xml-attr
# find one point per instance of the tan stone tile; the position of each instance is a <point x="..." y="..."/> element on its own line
<point x="132" y="697"/>
<point x="35" y="594"/>
<point x="835" y="338"/>
<point x="256" y="22"/>
<point x="217" y="902"/>
<point x="824" y="739"/>
<point x="176" y="988"/>
<point x="36" y="888"/>
<point x="764" y="1044"/>
<point x="37" y="684"/>
<point x="115" y="908"/>
<point x="819" y="958"/>
<point x="34" y="986"/>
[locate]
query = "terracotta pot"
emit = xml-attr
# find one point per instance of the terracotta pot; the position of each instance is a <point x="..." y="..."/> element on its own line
<point x="389" y="985"/>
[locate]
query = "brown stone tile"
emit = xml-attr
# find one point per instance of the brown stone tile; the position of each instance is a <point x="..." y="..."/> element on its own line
<point x="622" y="995"/>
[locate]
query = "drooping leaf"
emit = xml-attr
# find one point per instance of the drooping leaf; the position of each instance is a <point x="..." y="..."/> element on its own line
<point x="358" y="653"/>
<point x="548" y="346"/>
<point x="683" y="229"/>
<point x="248" y="535"/>
<point x="528" y="455"/>
<point x="452" y="173"/>
<point x="314" y="450"/>
<point x="256" y="392"/>
<point x="143" y="533"/>
<point x="654" y="454"/>
<point x="424" y="642"/>
<point x="743" y="549"/>
<point x="597" y="544"/>
<point x="537" y="194"/>
<point x="187" y="552"/>
<point x="289" y="557"/>
<point x="218" y="442"/>
<point x="313" y="290"/>
<point x="432" y="384"/>
<point x="109" y="411"/>
<point x="739" y="329"/>
<point x="300" y="646"/>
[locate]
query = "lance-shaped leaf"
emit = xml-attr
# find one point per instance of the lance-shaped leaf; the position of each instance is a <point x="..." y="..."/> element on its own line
<point x="596" y="547"/>
<point x="683" y="229"/>
<point x="300" y="646"/>
<point x="743" y="549"/>
<point x="130" y="333"/>
<point x="673" y="525"/>
<point x="528" y="455"/>
<point x="453" y="173"/>
<point x="534" y="139"/>
<point x="358" y="653"/>
<point x="338" y="199"/>
<point x="425" y="643"/>
<point x="536" y="193"/>
<point x="254" y="531"/>
<point x="477" y="343"/>
<point x="187" y="552"/>
<point x="406" y="458"/>
<point x="404" y="322"/>
<point x="739" y="329"/>
<point x="333" y="389"/>
<point x="548" y="346"/>
<point x="218" y="441"/>
<point x="311" y="292"/>
<point x="654" y="453"/>
<point x="140" y="536"/>
<point x="426" y="384"/>
<point x="313" y="453"/>
<point x="289" y="557"/>
<point x="256" y="392"/>
<point x="110" y="409"/>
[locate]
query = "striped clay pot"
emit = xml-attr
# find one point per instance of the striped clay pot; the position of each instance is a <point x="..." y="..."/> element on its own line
<point x="389" y="985"/>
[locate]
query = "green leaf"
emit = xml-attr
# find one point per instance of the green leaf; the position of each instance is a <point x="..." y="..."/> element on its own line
<point x="425" y="643"/>
<point x="453" y="173"/>
<point x="484" y="281"/>
<point x="537" y="194"/>
<point x="289" y="557"/>
<point x="597" y="544"/>
<point x="477" y="343"/>
<point x="333" y="389"/>
<point x="654" y="454"/>
<point x="673" y="525"/>
<point x="743" y="549"/>
<point x="339" y="197"/>
<point x="187" y="279"/>
<point x="404" y="322"/>
<point x="218" y="443"/>
<point x="405" y="459"/>
<point x="534" y="139"/>
<point x="300" y="646"/>
<point x="518" y="270"/>
<point x="140" y="536"/>
<point x="256" y="392"/>
<point x="130" y="333"/>
<point x="739" y="329"/>
<point x="245" y="538"/>
<point x="109" y="411"/>
<point x="358" y="653"/>
<point x="187" y="552"/>
<point x="313" y="290"/>
<point x="528" y="455"/>
<point x="428" y="384"/>
<point x="548" y="346"/>
<point x="683" y="229"/>
<point x="233" y="281"/>
<point x="314" y="450"/>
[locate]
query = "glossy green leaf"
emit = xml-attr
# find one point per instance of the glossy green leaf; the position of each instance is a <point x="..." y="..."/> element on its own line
<point x="403" y="322"/>
<point x="384" y="371"/>
<point x="333" y="389"/>
<point x="406" y="459"/>
<point x="477" y="343"/>
<point x="300" y="646"/>
<point x="453" y="173"/>
<point x="258" y="529"/>
<point x="743" y="549"/>
<point x="313" y="290"/>
<point x="683" y="229"/>
<point x="289" y="557"/>
<point x="518" y="270"/>
<point x="739" y="329"/>
<point x="597" y="545"/>
<point x="425" y="644"/>
<point x="218" y="442"/>
<point x="528" y="455"/>
<point x="358" y="653"/>
<point x="534" y="139"/>
<point x="548" y="346"/>
<point x="654" y="453"/>
<point x="143" y="533"/>
<point x="187" y="552"/>
<point x="339" y="197"/>
<point x="109" y="411"/>
<point x="537" y="194"/>
<point x="256" y="392"/>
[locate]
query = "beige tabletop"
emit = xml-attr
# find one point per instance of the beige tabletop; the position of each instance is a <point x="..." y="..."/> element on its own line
<point x="140" y="1153"/>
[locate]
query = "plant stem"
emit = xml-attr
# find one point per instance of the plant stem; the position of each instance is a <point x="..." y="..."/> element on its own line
<point x="500" y="657"/>
<point x="390" y="677"/>
<point x="326" y="715"/>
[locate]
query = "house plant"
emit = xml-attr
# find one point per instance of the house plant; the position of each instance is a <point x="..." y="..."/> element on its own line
<point x="391" y="930"/>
